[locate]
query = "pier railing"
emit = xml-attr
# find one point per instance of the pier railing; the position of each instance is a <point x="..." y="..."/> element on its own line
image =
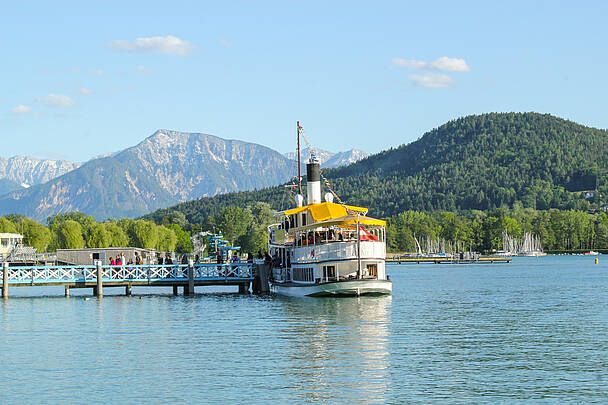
<point x="40" y="275"/>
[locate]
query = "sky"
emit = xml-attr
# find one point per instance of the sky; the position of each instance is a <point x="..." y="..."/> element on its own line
<point x="83" y="79"/>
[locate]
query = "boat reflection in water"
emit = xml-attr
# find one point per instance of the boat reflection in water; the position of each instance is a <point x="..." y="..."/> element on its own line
<point x="338" y="349"/>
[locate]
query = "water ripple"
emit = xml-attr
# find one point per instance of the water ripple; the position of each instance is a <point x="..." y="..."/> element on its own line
<point x="532" y="331"/>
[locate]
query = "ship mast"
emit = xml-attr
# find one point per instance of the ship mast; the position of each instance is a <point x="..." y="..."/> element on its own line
<point x="299" y="174"/>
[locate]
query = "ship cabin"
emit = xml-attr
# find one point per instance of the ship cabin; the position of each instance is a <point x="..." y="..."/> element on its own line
<point x="318" y="243"/>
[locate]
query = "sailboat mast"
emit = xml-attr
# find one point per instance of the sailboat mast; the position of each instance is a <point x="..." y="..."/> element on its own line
<point x="299" y="173"/>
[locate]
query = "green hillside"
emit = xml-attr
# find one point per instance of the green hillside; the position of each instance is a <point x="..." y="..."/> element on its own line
<point x="476" y="162"/>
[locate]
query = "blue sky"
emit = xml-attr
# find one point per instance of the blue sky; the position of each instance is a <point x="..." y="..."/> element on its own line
<point x="80" y="79"/>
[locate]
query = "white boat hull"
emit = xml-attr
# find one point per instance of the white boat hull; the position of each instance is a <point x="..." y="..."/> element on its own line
<point x="339" y="288"/>
<point x="533" y="254"/>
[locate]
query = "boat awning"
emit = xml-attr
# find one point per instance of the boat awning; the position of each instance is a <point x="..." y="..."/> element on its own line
<point x="326" y="211"/>
<point x="349" y="221"/>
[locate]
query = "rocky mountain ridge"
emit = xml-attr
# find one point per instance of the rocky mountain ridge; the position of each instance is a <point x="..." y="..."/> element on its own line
<point x="163" y="169"/>
<point x="329" y="159"/>
<point x="24" y="171"/>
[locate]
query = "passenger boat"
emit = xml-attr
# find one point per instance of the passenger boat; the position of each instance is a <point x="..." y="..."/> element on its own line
<point x="326" y="248"/>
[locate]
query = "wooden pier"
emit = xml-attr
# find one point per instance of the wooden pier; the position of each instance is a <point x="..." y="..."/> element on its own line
<point x="448" y="260"/>
<point x="98" y="276"/>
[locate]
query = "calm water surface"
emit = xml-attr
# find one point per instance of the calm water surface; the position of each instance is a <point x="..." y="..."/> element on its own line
<point x="535" y="330"/>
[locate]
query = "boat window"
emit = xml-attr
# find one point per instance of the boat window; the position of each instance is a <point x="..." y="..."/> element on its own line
<point x="303" y="274"/>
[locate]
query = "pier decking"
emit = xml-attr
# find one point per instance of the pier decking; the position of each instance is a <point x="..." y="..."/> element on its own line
<point x="98" y="276"/>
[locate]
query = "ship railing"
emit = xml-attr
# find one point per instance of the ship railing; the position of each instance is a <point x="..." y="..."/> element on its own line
<point x="345" y="250"/>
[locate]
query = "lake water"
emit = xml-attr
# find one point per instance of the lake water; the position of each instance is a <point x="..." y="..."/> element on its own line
<point x="535" y="330"/>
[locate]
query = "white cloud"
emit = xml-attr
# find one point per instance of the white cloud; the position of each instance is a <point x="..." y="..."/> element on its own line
<point x="169" y="45"/>
<point x="98" y="72"/>
<point x="21" y="109"/>
<point x="410" y="63"/>
<point x="450" y="64"/>
<point x="143" y="69"/>
<point x="57" y="100"/>
<point x="432" y="81"/>
<point x="443" y="63"/>
<point x="225" y="43"/>
<point x="85" y="92"/>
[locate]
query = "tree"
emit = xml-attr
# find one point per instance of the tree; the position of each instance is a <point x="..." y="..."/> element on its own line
<point x="98" y="236"/>
<point x="175" y="217"/>
<point x="69" y="235"/>
<point x="254" y="240"/>
<point x="35" y="234"/>
<point x="118" y="237"/>
<point x="7" y="226"/>
<point x="233" y="222"/>
<point x="184" y="243"/>
<point x="261" y="214"/>
<point x="128" y="226"/>
<point x="166" y="239"/>
<point x="145" y="234"/>
<point x="84" y="220"/>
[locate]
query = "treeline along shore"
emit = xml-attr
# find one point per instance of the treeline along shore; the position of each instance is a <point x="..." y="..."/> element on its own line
<point x="560" y="231"/>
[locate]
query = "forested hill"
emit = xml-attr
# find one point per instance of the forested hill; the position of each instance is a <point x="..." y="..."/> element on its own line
<point x="476" y="162"/>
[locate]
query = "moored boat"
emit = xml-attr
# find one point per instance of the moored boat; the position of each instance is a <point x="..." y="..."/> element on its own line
<point x="326" y="248"/>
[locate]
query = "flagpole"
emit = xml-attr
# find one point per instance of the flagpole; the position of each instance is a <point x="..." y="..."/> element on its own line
<point x="359" y="249"/>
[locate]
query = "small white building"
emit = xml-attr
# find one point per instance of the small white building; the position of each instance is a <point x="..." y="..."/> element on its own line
<point x="8" y="241"/>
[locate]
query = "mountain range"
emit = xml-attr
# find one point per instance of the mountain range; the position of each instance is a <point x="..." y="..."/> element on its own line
<point x="329" y="159"/>
<point x="478" y="162"/>
<point x="20" y="172"/>
<point x="166" y="168"/>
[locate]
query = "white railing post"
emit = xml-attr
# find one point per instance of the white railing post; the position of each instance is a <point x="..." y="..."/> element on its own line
<point x="99" y="290"/>
<point x="5" y="280"/>
<point x="190" y="277"/>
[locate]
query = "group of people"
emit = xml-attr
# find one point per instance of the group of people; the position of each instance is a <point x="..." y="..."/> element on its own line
<point x="164" y="260"/>
<point x="120" y="260"/>
<point x="234" y="259"/>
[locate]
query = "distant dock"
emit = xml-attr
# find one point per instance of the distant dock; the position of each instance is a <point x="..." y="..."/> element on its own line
<point x="448" y="260"/>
